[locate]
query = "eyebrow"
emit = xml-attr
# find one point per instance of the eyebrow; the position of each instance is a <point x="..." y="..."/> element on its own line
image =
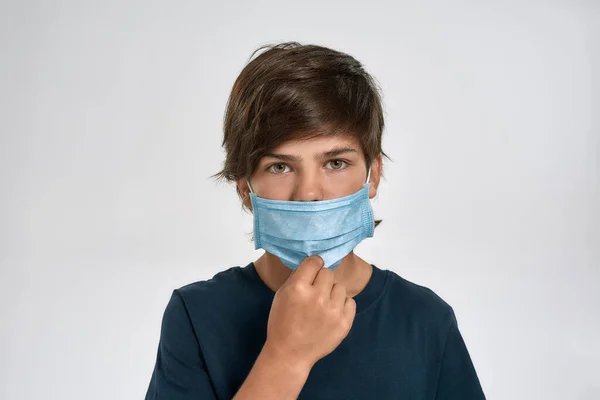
<point x="336" y="152"/>
<point x="283" y="157"/>
<point x="327" y="154"/>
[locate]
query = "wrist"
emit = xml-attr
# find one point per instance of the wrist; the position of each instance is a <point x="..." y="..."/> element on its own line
<point x="276" y="356"/>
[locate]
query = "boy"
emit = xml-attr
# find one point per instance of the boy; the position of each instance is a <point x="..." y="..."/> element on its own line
<point x="309" y="319"/>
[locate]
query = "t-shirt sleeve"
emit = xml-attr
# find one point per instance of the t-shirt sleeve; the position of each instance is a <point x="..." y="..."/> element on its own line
<point x="180" y="372"/>
<point x="457" y="379"/>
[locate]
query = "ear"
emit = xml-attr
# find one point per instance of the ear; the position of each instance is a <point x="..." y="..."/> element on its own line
<point x="244" y="192"/>
<point x="376" y="169"/>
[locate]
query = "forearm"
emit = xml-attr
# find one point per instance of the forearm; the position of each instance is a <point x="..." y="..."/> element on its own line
<point x="273" y="377"/>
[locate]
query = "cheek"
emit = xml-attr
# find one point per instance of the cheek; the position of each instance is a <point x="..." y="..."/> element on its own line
<point x="342" y="186"/>
<point x="274" y="189"/>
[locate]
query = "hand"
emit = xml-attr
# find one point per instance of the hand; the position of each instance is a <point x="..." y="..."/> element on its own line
<point x="310" y="315"/>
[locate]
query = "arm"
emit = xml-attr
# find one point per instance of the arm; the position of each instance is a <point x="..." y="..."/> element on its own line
<point x="180" y="372"/>
<point x="273" y="377"/>
<point x="457" y="379"/>
<point x="309" y="317"/>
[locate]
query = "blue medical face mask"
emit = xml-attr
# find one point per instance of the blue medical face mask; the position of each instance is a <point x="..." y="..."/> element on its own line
<point x="294" y="230"/>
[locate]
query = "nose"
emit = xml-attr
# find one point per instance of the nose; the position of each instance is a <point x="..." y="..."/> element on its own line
<point x="308" y="187"/>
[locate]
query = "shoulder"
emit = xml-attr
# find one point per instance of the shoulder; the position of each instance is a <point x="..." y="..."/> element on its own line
<point x="225" y="284"/>
<point x="416" y="301"/>
<point x="227" y="294"/>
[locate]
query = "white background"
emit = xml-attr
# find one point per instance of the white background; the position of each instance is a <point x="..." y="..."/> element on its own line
<point x="110" y="127"/>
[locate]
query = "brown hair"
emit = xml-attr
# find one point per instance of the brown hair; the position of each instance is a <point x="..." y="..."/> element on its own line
<point x="294" y="91"/>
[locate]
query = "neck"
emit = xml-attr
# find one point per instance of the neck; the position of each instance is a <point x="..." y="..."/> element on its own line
<point x="353" y="272"/>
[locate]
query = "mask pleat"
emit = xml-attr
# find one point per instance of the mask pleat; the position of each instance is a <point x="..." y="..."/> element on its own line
<point x="294" y="230"/>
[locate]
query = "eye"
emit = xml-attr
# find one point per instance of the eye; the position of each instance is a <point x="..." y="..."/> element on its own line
<point x="336" y="164"/>
<point x="279" y="168"/>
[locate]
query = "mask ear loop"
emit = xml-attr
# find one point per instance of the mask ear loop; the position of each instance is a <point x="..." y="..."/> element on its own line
<point x="249" y="186"/>
<point x="249" y="197"/>
<point x="368" y="176"/>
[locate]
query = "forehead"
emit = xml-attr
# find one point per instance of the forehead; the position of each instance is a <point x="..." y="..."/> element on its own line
<point x="318" y="144"/>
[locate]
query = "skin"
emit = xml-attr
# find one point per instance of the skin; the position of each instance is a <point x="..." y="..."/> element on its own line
<point x="303" y="171"/>
<point x="313" y="308"/>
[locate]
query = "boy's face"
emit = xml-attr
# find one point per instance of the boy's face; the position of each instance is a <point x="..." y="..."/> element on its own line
<point x="320" y="168"/>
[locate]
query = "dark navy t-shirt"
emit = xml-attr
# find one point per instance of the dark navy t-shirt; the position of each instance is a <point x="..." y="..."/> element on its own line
<point x="404" y="343"/>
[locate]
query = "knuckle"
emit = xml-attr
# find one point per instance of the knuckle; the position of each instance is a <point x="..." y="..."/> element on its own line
<point x="324" y="272"/>
<point x="333" y="313"/>
<point x="352" y="304"/>
<point x="298" y="288"/>
<point x="339" y="290"/>
<point x="322" y="300"/>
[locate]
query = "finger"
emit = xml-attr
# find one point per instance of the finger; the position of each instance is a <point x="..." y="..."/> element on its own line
<point x="350" y="309"/>
<point x="324" y="280"/>
<point x="308" y="270"/>
<point x="338" y="294"/>
<point x="290" y="276"/>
